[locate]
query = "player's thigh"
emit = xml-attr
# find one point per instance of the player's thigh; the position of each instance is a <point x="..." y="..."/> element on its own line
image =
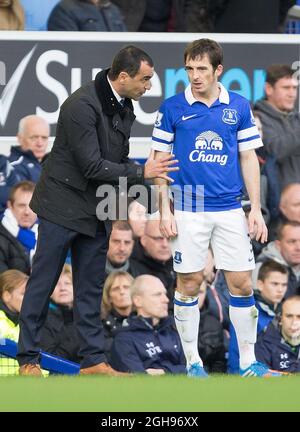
<point x="231" y="242"/>
<point x="190" y="246"/>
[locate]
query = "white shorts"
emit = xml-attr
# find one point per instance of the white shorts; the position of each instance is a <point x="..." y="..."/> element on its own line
<point x="226" y="231"/>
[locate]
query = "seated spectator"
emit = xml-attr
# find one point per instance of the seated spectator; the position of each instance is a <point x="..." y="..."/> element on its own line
<point x="279" y="345"/>
<point x="37" y="13"/>
<point x="146" y="15"/>
<point x="286" y="251"/>
<point x="255" y="16"/>
<point x="59" y="335"/>
<point x="148" y="342"/>
<point x="26" y="158"/>
<point x="116" y="304"/>
<point x="281" y="121"/>
<point x="11" y="15"/>
<point x="290" y="202"/>
<point x="289" y="208"/>
<point x="86" y="15"/>
<point x="137" y="219"/>
<point x="269" y="178"/>
<point x="8" y="179"/>
<point x="120" y="247"/>
<point x="152" y="255"/>
<point x="211" y="344"/>
<point x="12" y="288"/>
<point x="271" y="288"/>
<point x="18" y="230"/>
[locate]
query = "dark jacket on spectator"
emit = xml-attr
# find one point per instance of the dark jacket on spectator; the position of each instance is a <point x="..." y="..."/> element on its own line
<point x="25" y="164"/>
<point x="281" y="140"/>
<point x="13" y="255"/>
<point x="59" y="336"/>
<point x="8" y="179"/>
<point x="274" y="351"/>
<point x="80" y="15"/>
<point x="140" y="346"/>
<point x="141" y="263"/>
<point x="111" y="324"/>
<point x="255" y="16"/>
<point x="211" y="341"/>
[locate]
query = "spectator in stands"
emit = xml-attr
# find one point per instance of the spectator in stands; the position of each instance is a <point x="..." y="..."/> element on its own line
<point x="290" y="202"/>
<point x="37" y="13"/>
<point x="281" y="122"/>
<point x="120" y="247"/>
<point x="272" y="283"/>
<point x="289" y="208"/>
<point x="255" y="16"/>
<point x="12" y="288"/>
<point x="86" y="15"/>
<point x="211" y="344"/>
<point x="26" y="158"/>
<point x="59" y="334"/>
<point x="269" y="178"/>
<point x="148" y="342"/>
<point x="116" y="304"/>
<point x="279" y="345"/>
<point x="152" y="255"/>
<point x="11" y="15"/>
<point x="168" y="15"/>
<point x="286" y="251"/>
<point x="8" y="179"/>
<point x="137" y="219"/>
<point x="18" y="230"/>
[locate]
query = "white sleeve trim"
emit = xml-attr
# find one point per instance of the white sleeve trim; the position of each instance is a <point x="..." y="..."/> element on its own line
<point x="155" y="145"/>
<point x="166" y="136"/>
<point x="247" y="133"/>
<point x="248" y="145"/>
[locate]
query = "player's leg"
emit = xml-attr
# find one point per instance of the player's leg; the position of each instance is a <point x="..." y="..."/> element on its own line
<point x="243" y="314"/>
<point x="233" y="253"/>
<point x="189" y="250"/>
<point x="187" y="314"/>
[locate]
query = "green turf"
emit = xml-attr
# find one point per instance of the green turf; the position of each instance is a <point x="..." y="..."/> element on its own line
<point x="150" y="394"/>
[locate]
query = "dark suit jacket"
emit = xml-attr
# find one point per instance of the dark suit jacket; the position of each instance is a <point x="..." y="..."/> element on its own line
<point x="90" y="149"/>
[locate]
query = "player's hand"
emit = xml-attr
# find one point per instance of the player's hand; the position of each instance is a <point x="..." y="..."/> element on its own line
<point x="158" y="168"/>
<point x="257" y="226"/>
<point x="168" y="226"/>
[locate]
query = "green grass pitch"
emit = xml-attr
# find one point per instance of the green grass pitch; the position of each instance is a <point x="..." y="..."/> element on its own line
<point x="150" y="394"/>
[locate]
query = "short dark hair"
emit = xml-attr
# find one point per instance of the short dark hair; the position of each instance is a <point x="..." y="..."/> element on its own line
<point x="268" y="267"/>
<point x="200" y="47"/>
<point x="282" y="225"/>
<point x="277" y="71"/>
<point x="121" y="225"/>
<point x="25" y="186"/>
<point x="128" y="60"/>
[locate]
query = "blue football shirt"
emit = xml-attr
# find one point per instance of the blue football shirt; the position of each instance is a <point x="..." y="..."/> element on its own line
<point x="206" y="141"/>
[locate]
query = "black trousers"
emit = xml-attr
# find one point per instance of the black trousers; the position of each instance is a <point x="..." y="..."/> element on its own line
<point x="88" y="267"/>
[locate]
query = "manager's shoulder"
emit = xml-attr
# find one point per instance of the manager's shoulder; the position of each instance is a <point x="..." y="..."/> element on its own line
<point x="85" y="93"/>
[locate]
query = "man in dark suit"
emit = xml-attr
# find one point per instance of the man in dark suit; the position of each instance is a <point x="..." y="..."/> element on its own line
<point x="91" y="149"/>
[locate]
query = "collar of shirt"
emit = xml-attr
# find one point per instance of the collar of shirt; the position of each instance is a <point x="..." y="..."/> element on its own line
<point x="223" y="98"/>
<point x="117" y="96"/>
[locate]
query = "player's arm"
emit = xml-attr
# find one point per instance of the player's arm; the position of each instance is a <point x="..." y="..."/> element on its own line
<point x="251" y="176"/>
<point x="167" y="220"/>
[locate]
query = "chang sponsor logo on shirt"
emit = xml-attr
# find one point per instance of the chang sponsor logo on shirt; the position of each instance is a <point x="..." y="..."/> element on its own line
<point x="208" y="146"/>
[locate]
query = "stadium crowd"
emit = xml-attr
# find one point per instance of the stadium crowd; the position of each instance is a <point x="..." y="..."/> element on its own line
<point x="137" y="294"/>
